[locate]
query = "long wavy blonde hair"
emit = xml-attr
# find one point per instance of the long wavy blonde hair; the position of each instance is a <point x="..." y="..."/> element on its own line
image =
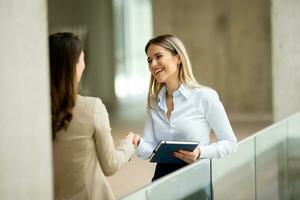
<point x="176" y="47"/>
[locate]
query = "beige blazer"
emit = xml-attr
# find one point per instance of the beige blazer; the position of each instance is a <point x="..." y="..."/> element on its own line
<point x="85" y="153"/>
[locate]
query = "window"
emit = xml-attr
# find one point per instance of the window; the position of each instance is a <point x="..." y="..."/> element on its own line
<point x="133" y="28"/>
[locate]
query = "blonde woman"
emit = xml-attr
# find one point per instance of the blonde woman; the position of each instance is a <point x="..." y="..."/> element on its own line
<point x="180" y="109"/>
<point x="83" y="149"/>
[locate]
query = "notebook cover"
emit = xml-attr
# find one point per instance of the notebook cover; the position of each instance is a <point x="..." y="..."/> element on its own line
<point x="164" y="150"/>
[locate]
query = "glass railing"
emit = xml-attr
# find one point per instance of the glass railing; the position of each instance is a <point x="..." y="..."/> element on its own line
<point x="233" y="177"/>
<point x="266" y="166"/>
<point x="190" y="182"/>
<point x="271" y="162"/>
<point x="293" y="162"/>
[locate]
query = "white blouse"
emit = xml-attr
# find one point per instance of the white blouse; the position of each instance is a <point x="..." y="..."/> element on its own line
<point x="196" y="112"/>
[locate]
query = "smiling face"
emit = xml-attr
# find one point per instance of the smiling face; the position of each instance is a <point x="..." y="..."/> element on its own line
<point x="163" y="65"/>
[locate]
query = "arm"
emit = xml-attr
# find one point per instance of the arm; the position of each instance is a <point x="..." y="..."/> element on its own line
<point x="148" y="142"/>
<point x="216" y="116"/>
<point x="110" y="158"/>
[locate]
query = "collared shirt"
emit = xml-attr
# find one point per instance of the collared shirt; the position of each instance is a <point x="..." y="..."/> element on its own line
<point x="196" y="111"/>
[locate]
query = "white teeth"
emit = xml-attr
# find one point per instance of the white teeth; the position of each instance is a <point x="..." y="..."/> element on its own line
<point x="157" y="71"/>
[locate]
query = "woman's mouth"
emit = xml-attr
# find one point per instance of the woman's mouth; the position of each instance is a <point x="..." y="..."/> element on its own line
<point x="156" y="72"/>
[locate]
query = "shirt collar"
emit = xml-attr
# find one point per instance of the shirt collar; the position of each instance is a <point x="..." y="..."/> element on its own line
<point x="184" y="90"/>
<point x="162" y="98"/>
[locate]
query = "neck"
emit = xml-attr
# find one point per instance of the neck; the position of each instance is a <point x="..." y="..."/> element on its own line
<point x="169" y="95"/>
<point x="171" y="87"/>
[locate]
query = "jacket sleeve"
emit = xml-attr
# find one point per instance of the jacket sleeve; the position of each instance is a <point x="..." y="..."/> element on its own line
<point x="110" y="157"/>
<point x="216" y="117"/>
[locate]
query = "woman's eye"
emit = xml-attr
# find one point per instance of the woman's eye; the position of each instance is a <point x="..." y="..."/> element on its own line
<point x="149" y="61"/>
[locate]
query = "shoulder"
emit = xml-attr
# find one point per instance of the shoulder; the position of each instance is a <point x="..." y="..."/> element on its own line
<point x="205" y="93"/>
<point x="90" y="102"/>
<point x="87" y="99"/>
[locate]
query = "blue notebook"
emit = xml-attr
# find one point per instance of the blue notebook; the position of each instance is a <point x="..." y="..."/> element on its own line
<point x="164" y="150"/>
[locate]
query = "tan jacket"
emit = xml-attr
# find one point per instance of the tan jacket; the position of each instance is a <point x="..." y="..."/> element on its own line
<point x="85" y="153"/>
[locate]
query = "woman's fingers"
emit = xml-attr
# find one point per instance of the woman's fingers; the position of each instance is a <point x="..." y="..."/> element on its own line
<point x="188" y="153"/>
<point x="195" y="153"/>
<point x="183" y="157"/>
<point x="188" y="156"/>
<point x="136" y="140"/>
<point x="130" y="136"/>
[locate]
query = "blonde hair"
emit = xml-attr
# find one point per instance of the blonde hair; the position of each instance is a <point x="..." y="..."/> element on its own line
<point x="175" y="46"/>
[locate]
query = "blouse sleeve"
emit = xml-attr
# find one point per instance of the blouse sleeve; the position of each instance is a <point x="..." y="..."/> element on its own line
<point x="110" y="158"/>
<point x="216" y="117"/>
<point x="148" y="141"/>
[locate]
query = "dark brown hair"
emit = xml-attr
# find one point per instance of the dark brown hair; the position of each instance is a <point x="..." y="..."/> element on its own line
<point x="65" y="49"/>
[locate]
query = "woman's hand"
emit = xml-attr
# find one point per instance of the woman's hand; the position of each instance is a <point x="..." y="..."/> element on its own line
<point x="188" y="156"/>
<point x="130" y="136"/>
<point x="136" y="140"/>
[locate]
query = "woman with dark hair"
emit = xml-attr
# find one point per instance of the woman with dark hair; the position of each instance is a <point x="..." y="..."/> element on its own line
<point x="83" y="149"/>
<point x="180" y="109"/>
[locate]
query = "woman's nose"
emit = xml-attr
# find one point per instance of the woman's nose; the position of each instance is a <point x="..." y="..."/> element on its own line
<point x="153" y="63"/>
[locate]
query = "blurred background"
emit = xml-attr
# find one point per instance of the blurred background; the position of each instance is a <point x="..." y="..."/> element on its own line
<point x="244" y="49"/>
<point x="229" y="43"/>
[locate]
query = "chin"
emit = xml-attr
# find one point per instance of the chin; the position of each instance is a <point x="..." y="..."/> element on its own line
<point x="160" y="80"/>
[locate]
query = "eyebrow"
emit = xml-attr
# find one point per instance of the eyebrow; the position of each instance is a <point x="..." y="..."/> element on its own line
<point x="155" y="55"/>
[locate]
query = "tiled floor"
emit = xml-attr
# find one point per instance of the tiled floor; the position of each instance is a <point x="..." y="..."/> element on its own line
<point x="138" y="173"/>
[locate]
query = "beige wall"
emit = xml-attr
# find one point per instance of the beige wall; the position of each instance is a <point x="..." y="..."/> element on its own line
<point x="96" y="17"/>
<point x="229" y="46"/>
<point x="25" y="145"/>
<point x="285" y="58"/>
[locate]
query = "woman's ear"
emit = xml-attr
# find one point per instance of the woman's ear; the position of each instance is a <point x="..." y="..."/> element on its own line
<point x="179" y="60"/>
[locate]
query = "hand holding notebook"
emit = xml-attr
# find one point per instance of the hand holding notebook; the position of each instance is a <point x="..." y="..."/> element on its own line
<point x="163" y="152"/>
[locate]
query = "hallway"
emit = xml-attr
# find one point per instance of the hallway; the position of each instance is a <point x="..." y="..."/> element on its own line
<point x="248" y="51"/>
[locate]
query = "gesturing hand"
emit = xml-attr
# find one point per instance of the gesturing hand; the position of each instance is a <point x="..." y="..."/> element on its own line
<point x="136" y="140"/>
<point x="188" y="156"/>
<point x="130" y="136"/>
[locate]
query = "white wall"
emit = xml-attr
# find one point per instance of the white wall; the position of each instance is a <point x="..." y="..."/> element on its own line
<point x="25" y="145"/>
<point x="286" y="57"/>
